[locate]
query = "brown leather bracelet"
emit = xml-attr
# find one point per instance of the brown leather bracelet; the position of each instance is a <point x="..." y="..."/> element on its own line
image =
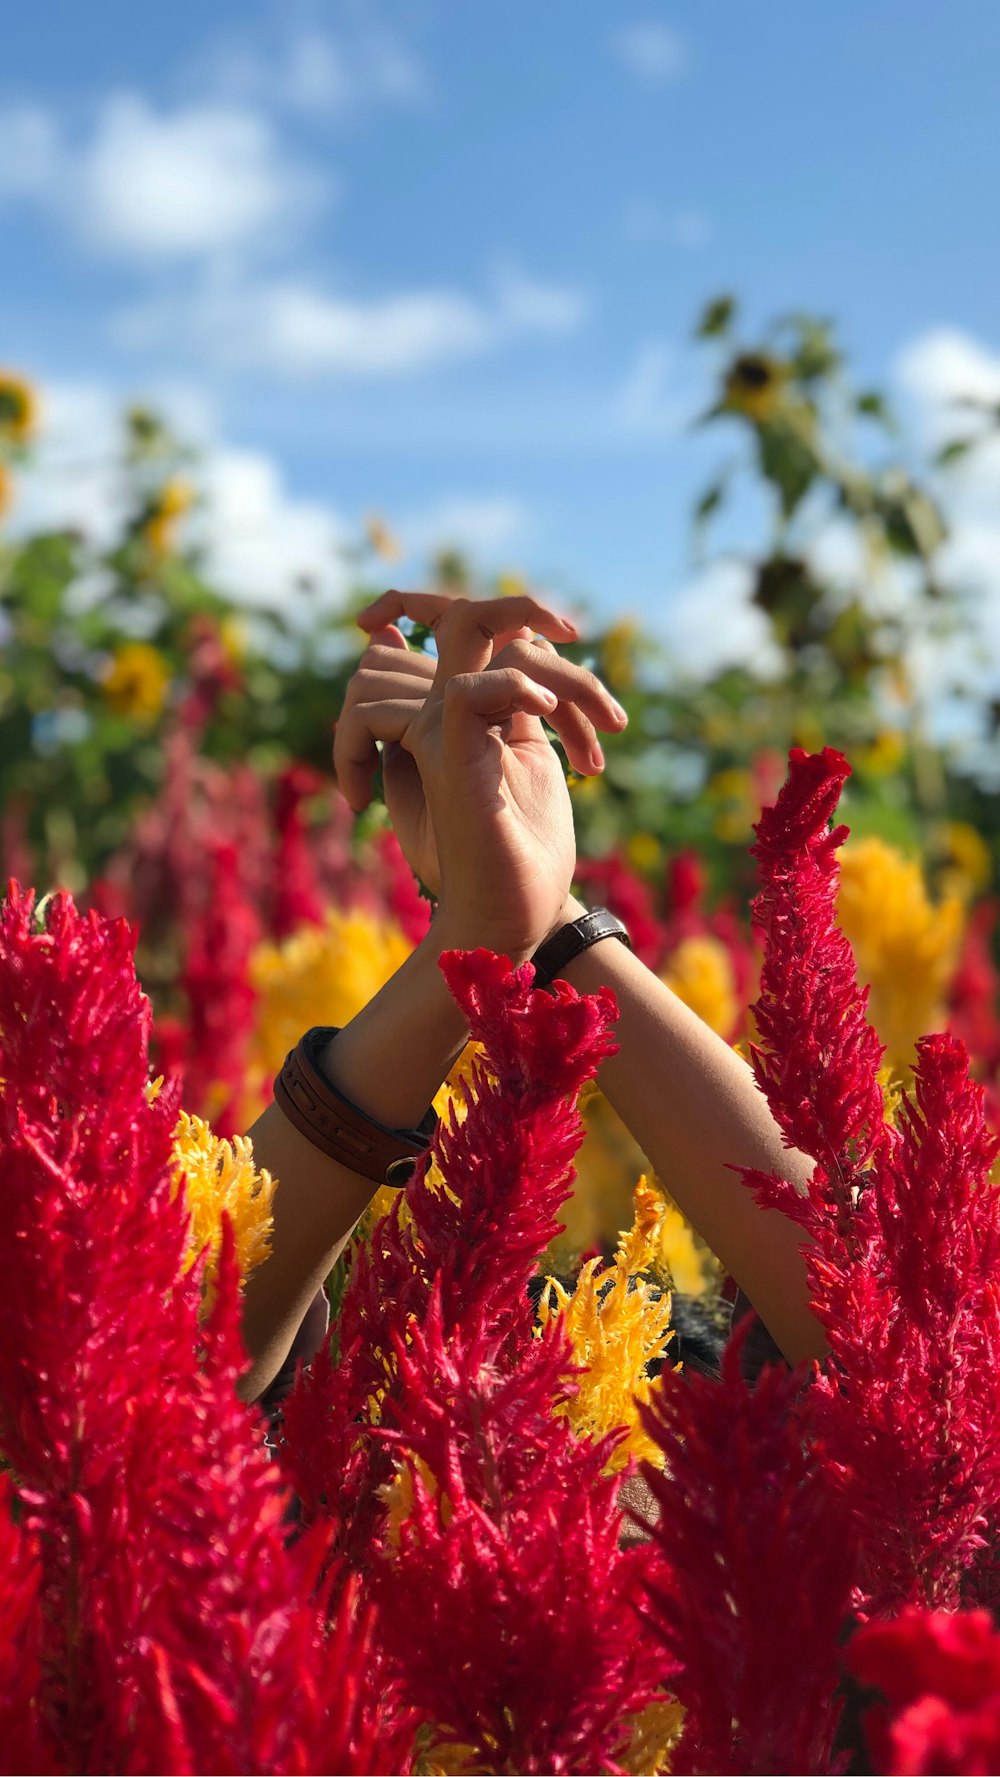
<point x="336" y="1126"/>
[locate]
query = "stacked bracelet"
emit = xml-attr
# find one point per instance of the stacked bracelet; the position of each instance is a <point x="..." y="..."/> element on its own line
<point x="553" y="956"/>
<point x="336" y="1126"/>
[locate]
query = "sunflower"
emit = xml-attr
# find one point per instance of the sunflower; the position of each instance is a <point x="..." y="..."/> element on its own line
<point x="754" y="386"/>
<point x="18" y="408"/>
<point x="6" y="492"/>
<point x="135" y="683"/>
<point x="168" y="506"/>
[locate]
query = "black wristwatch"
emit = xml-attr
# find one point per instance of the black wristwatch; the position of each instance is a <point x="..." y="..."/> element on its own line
<point x="552" y="957"/>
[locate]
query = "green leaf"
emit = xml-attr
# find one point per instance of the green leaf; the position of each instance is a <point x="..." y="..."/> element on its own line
<point x="716" y="318"/>
<point x="709" y="503"/>
<point x="872" y="404"/>
<point x="789" y="462"/>
<point x="953" y="452"/>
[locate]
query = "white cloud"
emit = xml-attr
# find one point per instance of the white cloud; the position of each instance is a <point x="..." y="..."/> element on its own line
<point x="72" y="479"/>
<point x="324" y="75"/>
<point x="260" y="542"/>
<point x="710" y="624"/>
<point x="158" y="185"/>
<point x="649" y="400"/>
<point x="292" y="328"/>
<point x="651" y="51"/>
<point x="646" y="224"/>
<point x="944" y="366"/>
<point x="30" y="160"/>
<point x="484" y="527"/>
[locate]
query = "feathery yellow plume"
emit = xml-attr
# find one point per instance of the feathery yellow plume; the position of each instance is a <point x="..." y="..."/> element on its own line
<point x="700" y="972"/>
<point x="320" y="975"/>
<point x="617" y="1323"/>
<point x="906" y="947"/>
<point x="220" y="1177"/>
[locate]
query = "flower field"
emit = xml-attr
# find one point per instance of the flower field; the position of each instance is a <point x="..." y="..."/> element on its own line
<point x="515" y="1519"/>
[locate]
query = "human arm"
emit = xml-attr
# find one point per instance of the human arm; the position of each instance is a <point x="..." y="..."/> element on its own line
<point x="691" y="1103"/>
<point x="503" y="844"/>
<point x="695" y="1110"/>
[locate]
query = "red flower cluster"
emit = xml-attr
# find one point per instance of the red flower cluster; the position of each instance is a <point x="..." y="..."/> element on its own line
<point x="507" y="1166"/>
<point x="165" y="1592"/>
<point x="904" y="1225"/>
<point x="505" y="1600"/>
<point x="757" y="1568"/>
<point x="940" y="1678"/>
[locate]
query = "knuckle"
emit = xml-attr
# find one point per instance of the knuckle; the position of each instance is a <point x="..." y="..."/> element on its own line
<point x="459" y="689"/>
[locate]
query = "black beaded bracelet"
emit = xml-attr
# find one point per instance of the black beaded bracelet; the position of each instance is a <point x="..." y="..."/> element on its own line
<point x="552" y="957"/>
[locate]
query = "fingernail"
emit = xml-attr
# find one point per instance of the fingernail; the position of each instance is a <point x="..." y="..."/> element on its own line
<point x="597" y="756"/>
<point x="619" y="714"/>
<point x="570" y="626"/>
<point x="549" y="697"/>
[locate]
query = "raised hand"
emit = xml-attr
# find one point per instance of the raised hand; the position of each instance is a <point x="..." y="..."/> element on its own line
<point x="470" y="775"/>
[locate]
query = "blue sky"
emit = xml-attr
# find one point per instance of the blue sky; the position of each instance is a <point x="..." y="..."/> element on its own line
<point x="441" y="259"/>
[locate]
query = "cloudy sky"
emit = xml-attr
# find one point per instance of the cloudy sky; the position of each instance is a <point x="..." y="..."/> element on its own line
<point x="440" y="260"/>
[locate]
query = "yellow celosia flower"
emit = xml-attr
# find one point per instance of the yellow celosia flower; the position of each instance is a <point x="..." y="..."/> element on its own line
<point x="511" y="586"/>
<point x="583" y="788"/>
<point x="645" y="853"/>
<point x="135" y="683"/>
<point x="18" y="408"/>
<point x="618" y="652"/>
<point x="608" y="1163"/>
<point x="700" y="972"/>
<point x="233" y="636"/>
<point x="219" y="1177"/>
<point x="682" y="1256"/>
<point x="906" y="948"/>
<point x="883" y="756"/>
<point x="968" y="861"/>
<point x="320" y="975"/>
<point x="169" y="505"/>
<point x="617" y="1323"/>
<point x="654" y="1735"/>
<point x="735" y="803"/>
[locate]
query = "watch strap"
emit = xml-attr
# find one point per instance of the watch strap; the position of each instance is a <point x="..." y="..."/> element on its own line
<point x="339" y="1128"/>
<point x="553" y="956"/>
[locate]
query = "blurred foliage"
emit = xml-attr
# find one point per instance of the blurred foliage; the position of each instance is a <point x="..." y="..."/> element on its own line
<point x="105" y="650"/>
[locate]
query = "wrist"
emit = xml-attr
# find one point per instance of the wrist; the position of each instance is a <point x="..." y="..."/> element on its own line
<point x="453" y="929"/>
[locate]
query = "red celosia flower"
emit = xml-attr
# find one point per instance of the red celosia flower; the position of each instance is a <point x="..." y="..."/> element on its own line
<point x="974" y="1010"/>
<point x="508" y="1166"/>
<point x="178" y="1630"/>
<point x="24" y="1745"/>
<point x="611" y="881"/>
<point x="818" y="1057"/>
<point x="220" y="996"/>
<point x="296" y="897"/>
<point x="757" y="1568"/>
<point x="940" y="1677"/>
<point x="398" y="887"/>
<point x="507" y="1602"/>
<point x="904" y="1228"/>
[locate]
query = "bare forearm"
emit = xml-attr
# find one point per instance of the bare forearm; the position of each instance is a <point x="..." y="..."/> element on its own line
<point x="389" y="1061"/>
<point x="694" y="1108"/>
